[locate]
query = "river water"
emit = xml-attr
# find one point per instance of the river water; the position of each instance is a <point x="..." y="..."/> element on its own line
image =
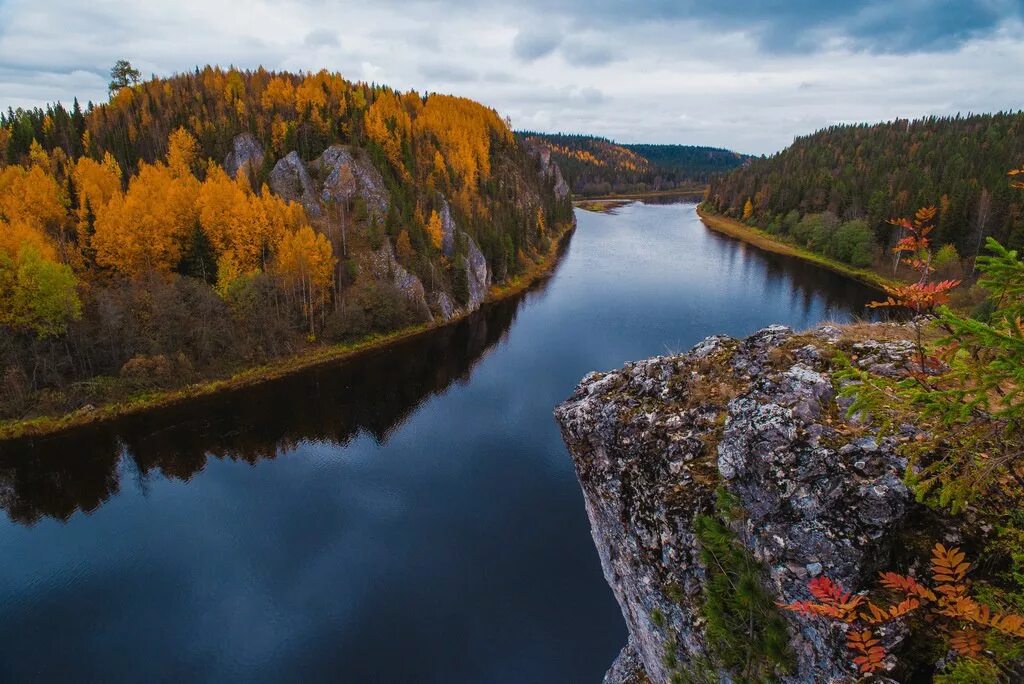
<point x="411" y="516"/>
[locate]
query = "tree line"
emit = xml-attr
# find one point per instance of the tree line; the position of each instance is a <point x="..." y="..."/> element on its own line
<point x="598" y="166"/>
<point x="835" y="191"/>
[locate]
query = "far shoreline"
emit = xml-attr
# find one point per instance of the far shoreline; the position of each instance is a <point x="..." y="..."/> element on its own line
<point x="45" y="425"/>
<point x="762" y="240"/>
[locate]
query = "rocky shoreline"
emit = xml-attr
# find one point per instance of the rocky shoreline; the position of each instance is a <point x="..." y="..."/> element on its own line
<point x="658" y="446"/>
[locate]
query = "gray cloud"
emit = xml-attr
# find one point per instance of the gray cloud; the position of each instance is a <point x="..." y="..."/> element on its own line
<point x="732" y="75"/>
<point x="588" y="54"/>
<point x="447" y="73"/>
<point x="321" y="38"/>
<point x="886" y="26"/>
<point x="531" y="45"/>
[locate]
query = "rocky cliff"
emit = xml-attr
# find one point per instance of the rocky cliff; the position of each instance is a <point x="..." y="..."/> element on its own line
<point x="342" y="174"/>
<point x="661" y="444"/>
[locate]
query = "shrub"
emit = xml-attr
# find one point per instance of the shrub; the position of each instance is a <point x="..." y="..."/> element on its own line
<point x="853" y="242"/>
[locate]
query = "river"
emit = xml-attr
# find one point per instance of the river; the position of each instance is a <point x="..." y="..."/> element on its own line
<point x="411" y="516"/>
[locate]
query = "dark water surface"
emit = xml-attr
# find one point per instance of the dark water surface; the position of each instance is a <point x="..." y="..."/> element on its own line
<point x="409" y="517"/>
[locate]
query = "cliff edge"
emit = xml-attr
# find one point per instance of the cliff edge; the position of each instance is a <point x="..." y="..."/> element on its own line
<point x="735" y="460"/>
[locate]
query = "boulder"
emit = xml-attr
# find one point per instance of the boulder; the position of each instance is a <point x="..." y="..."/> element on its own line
<point x="290" y="179"/>
<point x="348" y="174"/>
<point x="653" y="441"/>
<point x="246" y="155"/>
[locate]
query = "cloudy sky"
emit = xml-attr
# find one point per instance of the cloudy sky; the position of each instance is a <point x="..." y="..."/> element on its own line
<point x="743" y="74"/>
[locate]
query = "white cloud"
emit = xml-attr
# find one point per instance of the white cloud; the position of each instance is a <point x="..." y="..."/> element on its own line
<point x="653" y="77"/>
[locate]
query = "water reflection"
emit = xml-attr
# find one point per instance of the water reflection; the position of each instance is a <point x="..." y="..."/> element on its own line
<point x="79" y="470"/>
<point x="409" y="516"/>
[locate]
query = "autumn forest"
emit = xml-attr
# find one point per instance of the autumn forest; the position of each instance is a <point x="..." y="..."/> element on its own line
<point x="212" y="220"/>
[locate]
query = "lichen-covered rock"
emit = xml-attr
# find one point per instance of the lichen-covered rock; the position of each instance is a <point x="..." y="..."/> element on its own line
<point x="348" y="174"/>
<point x="246" y="155"/>
<point x="652" y="442"/>
<point x="442" y="305"/>
<point x="626" y="669"/>
<point x="290" y="179"/>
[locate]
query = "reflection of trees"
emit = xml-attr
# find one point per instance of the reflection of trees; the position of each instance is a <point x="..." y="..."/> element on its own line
<point x="80" y="470"/>
<point x="807" y="283"/>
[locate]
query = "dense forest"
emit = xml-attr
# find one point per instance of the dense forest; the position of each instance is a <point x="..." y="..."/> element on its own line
<point x="835" y="191"/>
<point x="597" y="166"/>
<point x="200" y="223"/>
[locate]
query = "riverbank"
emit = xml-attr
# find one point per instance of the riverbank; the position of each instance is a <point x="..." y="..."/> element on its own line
<point x="768" y="242"/>
<point x="38" y="426"/>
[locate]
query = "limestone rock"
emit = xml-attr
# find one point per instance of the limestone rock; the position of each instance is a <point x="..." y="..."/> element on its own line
<point x="626" y="669"/>
<point x="550" y="170"/>
<point x="382" y="265"/>
<point x="653" y="440"/>
<point x="348" y="174"/>
<point x="290" y="179"/>
<point x="246" y="155"/>
<point x="442" y="305"/>
<point x="477" y="272"/>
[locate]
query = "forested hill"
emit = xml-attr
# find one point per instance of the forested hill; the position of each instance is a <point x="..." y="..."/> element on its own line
<point x="598" y="166"/>
<point x="199" y="223"/>
<point x="871" y="173"/>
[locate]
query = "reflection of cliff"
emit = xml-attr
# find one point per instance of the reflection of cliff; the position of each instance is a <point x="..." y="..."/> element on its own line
<point x="80" y="470"/>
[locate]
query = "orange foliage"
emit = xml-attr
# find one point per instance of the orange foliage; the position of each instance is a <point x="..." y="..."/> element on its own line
<point x="243" y="227"/>
<point x="182" y="153"/>
<point x="146" y="228"/>
<point x="96" y="184"/>
<point x="1015" y="183"/>
<point x="463" y="129"/>
<point x="31" y="196"/>
<point x="923" y="296"/>
<point x="18" y="233"/>
<point x="947" y="599"/>
<point x="279" y="94"/>
<point x="435" y="230"/>
<point x="388" y="124"/>
<point x="870" y="655"/>
<point x="305" y="262"/>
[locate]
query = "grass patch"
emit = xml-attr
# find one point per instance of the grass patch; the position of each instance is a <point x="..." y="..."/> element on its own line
<point x="601" y="206"/>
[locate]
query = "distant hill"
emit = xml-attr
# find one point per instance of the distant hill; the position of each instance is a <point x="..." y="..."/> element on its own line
<point x="598" y="166"/>
<point x="873" y="172"/>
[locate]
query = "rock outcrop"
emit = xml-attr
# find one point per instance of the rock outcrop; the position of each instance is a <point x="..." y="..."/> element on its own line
<point x="551" y="171"/>
<point x="246" y="155"/>
<point x="290" y="179"/>
<point x="382" y="265"/>
<point x="758" y="419"/>
<point x="348" y="174"/>
<point x="478" y="275"/>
